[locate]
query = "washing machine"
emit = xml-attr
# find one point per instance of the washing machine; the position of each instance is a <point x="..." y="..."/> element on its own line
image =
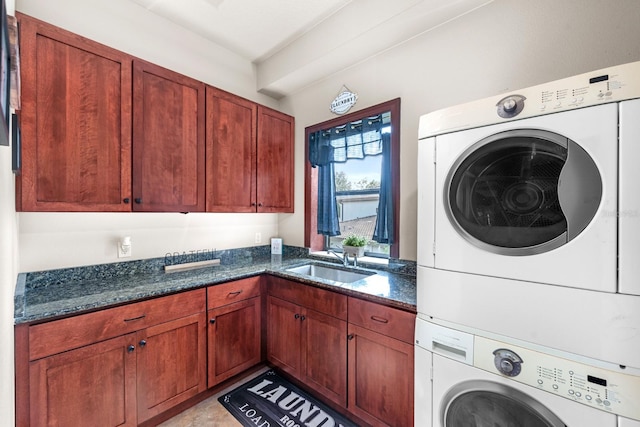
<point x="477" y="381"/>
<point x="528" y="219"/>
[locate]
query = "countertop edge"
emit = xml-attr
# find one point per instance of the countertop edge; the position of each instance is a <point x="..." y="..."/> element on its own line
<point x="21" y="315"/>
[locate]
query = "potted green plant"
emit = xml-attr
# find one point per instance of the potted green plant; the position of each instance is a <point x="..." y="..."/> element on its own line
<point x="354" y="245"/>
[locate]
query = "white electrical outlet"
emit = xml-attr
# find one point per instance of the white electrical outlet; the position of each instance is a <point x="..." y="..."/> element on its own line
<point x="258" y="237"/>
<point x="124" y="247"/>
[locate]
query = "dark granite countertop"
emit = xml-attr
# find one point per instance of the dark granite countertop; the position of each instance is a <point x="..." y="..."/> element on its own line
<point x="54" y="293"/>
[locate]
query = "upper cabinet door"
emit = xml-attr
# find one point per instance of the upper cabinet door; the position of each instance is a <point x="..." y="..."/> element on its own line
<point x="231" y="152"/>
<point x="75" y="121"/>
<point x="168" y="140"/>
<point x="275" y="161"/>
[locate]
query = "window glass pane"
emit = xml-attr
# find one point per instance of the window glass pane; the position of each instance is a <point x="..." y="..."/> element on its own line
<point x="357" y="196"/>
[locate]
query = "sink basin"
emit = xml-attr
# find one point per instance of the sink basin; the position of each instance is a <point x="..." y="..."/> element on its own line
<point x="329" y="273"/>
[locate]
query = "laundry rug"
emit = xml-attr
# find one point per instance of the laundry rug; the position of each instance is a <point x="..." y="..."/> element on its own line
<point x="271" y="401"/>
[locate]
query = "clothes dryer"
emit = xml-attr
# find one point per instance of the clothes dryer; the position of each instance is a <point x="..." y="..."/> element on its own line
<point x="525" y="186"/>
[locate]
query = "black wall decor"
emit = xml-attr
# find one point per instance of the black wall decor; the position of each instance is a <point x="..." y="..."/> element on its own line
<point x="16" y="151"/>
<point x="5" y="80"/>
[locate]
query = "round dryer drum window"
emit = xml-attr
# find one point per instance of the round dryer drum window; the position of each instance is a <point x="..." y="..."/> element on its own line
<point x="484" y="403"/>
<point x="523" y="192"/>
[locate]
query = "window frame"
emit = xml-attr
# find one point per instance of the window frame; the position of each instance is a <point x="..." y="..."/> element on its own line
<point x="312" y="239"/>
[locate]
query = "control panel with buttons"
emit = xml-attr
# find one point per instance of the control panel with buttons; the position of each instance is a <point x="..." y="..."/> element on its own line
<point x="611" y="84"/>
<point x="611" y="391"/>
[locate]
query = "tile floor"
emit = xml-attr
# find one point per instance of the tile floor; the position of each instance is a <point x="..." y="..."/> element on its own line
<point x="208" y="413"/>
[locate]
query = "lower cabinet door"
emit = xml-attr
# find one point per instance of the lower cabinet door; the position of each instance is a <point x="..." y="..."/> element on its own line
<point x="324" y="355"/>
<point x="283" y="341"/>
<point x="380" y="378"/>
<point x="171" y="364"/>
<point x="90" y="386"/>
<point x="234" y="339"/>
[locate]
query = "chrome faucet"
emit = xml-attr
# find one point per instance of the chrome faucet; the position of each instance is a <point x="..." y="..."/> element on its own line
<point x="344" y="258"/>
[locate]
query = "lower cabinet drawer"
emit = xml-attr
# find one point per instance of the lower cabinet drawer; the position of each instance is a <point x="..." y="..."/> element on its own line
<point x="61" y="335"/>
<point x="227" y="293"/>
<point x="385" y="320"/>
<point x="324" y="301"/>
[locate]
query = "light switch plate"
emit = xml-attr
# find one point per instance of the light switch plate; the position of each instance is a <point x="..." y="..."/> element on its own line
<point x="276" y="246"/>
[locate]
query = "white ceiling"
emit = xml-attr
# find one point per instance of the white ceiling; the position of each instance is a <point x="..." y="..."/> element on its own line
<point x="296" y="42"/>
<point x="253" y="29"/>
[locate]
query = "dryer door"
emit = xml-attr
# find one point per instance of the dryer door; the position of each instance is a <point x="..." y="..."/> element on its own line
<point x="479" y="403"/>
<point x="523" y="192"/>
<point x="532" y="199"/>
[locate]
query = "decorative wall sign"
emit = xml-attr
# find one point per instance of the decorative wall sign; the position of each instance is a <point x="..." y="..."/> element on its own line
<point x="344" y="101"/>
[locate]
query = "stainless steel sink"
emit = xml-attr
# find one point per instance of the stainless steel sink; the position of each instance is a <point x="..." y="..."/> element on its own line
<point x="329" y="273"/>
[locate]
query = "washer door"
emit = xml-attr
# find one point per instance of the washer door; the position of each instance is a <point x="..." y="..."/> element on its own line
<point x="522" y="192"/>
<point x="484" y="403"/>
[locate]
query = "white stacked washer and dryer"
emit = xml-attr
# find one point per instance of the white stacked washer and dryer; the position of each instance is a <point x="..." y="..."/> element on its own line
<point x="529" y="257"/>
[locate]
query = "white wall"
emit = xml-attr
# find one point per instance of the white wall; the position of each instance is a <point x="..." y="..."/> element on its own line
<point x="504" y="46"/>
<point x="56" y="240"/>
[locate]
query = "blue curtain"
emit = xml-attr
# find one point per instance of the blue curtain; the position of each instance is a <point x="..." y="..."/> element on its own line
<point x="321" y="154"/>
<point x="383" y="232"/>
<point x="353" y="140"/>
<point x="328" y="223"/>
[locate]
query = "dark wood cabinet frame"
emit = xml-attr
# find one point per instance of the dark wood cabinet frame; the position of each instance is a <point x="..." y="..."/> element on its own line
<point x="312" y="239"/>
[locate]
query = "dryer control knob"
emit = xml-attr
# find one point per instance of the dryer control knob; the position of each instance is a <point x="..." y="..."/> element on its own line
<point x="509" y="105"/>
<point x="506" y="366"/>
<point x="507" y="362"/>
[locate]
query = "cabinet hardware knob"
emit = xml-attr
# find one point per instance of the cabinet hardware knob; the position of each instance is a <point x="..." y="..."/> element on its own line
<point x="126" y="200"/>
<point x="350" y="337"/>
<point x="138" y="200"/>
<point x="131" y="348"/>
<point x="253" y="204"/>
<point x="379" y="319"/>
<point x="296" y="316"/>
<point x="302" y="318"/>
<point x="142" y="343"/>
<point x="132" y="319"/>
<point x="259" y="204"/>
<point x="212" y="321"/>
